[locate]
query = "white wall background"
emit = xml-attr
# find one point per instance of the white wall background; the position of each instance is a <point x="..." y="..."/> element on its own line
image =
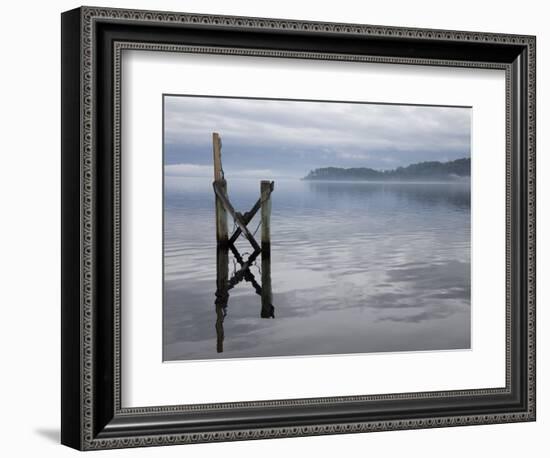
<point x="30" y="215"/>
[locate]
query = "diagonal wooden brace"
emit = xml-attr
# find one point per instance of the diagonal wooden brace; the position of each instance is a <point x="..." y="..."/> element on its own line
<point x="247" y="217"/>
<point x="244" y="272"/>
<point x="239" y="220"/>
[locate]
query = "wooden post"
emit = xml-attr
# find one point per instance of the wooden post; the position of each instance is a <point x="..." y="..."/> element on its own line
<point x="222" y="292"/>
<point x="221" y="214"/>
<point x="267" y="297"/>
<point x="217" y="150"/>
<point x="265" y="196"/>
<point x="219" y="329"/>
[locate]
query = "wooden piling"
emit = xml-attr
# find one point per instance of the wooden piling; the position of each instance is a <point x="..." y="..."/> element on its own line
<point x="222" y="292"/>
<point x="219" y="181"/>
<point x="265" y="195"/>
<point x="219" y="329"/>
<point x="217" y="150"/>
<point x="222" y="252"/>
<point x="267" y="297"/>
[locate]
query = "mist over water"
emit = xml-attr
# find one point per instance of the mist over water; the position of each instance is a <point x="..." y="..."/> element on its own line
<point x="356" y="267"/>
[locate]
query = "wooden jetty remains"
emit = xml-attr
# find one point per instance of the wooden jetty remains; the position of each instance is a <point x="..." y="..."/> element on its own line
<point x="226" y="243"/>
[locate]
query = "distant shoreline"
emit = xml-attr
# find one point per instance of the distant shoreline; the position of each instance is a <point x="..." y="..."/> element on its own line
<point x="434" y="171"/>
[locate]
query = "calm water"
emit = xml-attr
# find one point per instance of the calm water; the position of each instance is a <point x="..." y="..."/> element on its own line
<point x="356" y="267"/>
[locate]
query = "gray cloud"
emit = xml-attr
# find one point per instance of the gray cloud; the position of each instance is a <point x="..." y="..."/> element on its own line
<point x="292" y="137"/>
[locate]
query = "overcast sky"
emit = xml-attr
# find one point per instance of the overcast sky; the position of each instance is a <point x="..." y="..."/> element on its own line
<point x="276" y="138"/>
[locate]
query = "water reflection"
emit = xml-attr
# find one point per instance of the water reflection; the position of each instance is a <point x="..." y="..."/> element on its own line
<point x="243" y="273"/>
<point x="355" y="267"/>
<point x="427" y="194"/>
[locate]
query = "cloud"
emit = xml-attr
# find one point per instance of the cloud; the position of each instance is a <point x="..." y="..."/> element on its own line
<point x="279" y="134"/>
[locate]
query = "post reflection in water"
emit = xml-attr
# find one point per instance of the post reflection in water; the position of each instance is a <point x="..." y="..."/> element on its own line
<point x="224" y="284"/>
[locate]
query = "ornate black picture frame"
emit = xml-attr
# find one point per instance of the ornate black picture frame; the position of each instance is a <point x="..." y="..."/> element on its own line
<point x="92" y="42"/>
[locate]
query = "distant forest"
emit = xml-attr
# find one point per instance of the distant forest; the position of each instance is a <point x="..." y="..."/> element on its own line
<point x="422" y="171"/>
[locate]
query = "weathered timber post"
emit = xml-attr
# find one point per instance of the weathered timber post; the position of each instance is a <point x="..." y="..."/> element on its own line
<point x="222" y="251"/>
<point x="217" y="150"/>
<point x="221" y="214"/>
<point x="220" y="316"/>
<point x="267" y="297"/>
<point x="222" y="293"/>
<point x="219" y="329"/>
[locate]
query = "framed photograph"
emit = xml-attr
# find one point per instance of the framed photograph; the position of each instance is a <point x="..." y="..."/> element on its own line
<point x="276" y="228"/>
